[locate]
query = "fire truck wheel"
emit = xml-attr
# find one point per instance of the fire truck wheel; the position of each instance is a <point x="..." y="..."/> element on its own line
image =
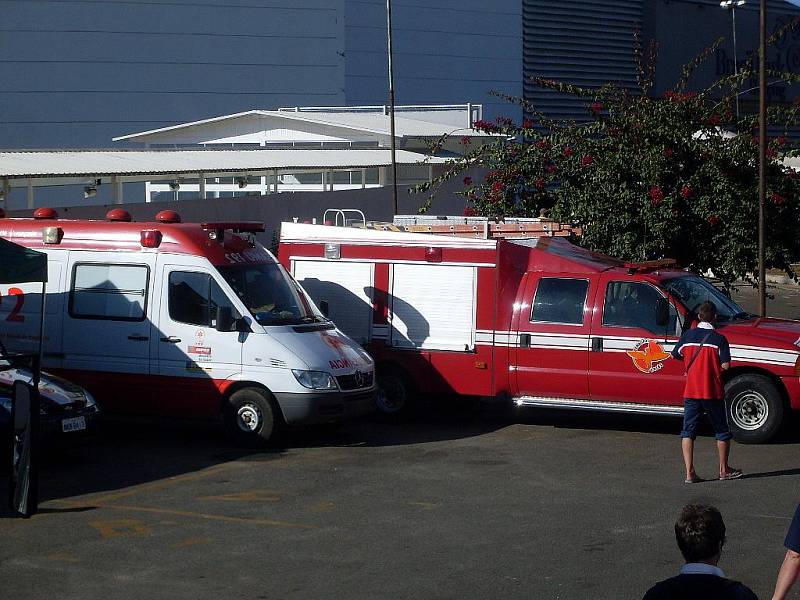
<point x="755" y="408"/>
<point x="395" y="393"/>
<point x="250" y="418"/>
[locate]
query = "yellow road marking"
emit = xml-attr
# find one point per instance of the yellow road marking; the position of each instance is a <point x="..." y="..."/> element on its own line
<point x="121" y="528"/>
<point x="319" y="507"/>
<point x="209" y="517"/>
<point x="251" y="496"/>
<point x="63" y="557"/>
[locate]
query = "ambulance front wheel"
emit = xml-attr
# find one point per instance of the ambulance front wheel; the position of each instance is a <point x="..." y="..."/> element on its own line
<point x="755" y="408"/>
<point x="395" y="391"/>
<point x="250" y="417"/>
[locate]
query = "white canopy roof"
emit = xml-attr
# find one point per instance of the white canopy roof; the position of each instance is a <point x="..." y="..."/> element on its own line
<point x="62" y="167"/>
<point x="356" y="122"/>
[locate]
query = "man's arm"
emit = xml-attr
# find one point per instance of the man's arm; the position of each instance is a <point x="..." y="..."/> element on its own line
<point x="790" y="569"/>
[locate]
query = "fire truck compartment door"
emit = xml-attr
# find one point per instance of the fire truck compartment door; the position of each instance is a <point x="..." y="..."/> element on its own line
<point x="432" y="307"/>
<point x="551" y="357"/>
<point x="347" y="288"/>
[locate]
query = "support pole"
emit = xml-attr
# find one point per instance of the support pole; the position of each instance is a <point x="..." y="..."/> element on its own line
<point x="762" y="159"/>
<point x="116" y="189"/>
<point x="201" y="179"/>
<point x="391" y="104"/>
<point x="6" y="193"/>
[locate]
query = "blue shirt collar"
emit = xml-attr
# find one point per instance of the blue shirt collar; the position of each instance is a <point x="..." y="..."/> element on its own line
<point x="701" y="569"/>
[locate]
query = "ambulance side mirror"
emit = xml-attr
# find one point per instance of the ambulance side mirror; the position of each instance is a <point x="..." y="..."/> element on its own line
<point x="662" y="312"/>
<point x="324" y="308"/>
<point x="225" y="318"/>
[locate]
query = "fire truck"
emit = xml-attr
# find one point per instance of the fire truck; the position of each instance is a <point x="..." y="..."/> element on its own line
<point x="183" y="319"/>
<point x="511" y="312"/>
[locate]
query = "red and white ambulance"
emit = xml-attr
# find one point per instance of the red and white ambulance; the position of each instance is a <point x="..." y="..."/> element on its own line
<point x="540" y="321"/>
<point x="183" y="319"/>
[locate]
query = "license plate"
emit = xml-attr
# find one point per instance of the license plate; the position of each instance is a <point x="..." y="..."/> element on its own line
<point x="73" y="424"/>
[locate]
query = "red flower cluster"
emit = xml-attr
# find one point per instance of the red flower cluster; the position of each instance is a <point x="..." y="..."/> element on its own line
<point x="567" y="151"/>
<point x="686" y="192"/>
<point x="595" y="107"/>
<point x="780" y="141"/>
<point x="527" y="124"/>
<point x="504" y="121"/>
<point x="541" y="144"/>
<point x="467" y="181"/>
<point x="466" y="140"/>
<point x="777" y="199"/>
<point x="539" y="182"/>
<point x="497" y="187"/>
<point x="551" y="168"/>
<point x="713" y="220"/>
<point x="678" y="96"/>
<point x="469" y="211"/>
<point x="587" y="160"/>
<point x="668" y="152"/>
<point x="656" y="195"/>
<point x="485" y="126"/>
<point x="713" y="120"/>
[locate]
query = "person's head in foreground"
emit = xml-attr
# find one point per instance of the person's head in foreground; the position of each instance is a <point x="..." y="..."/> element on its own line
<point x="700" y="533"/>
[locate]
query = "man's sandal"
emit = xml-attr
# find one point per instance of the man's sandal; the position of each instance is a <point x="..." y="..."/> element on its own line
<point x="732" y="474"/>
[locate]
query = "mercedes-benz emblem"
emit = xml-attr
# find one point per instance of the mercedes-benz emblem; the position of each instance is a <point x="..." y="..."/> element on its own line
<point x="359" y="378"/>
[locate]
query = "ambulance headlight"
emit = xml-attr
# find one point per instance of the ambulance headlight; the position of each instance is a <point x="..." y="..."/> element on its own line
<point x="315" y="380"/>
<point x="90" y="401"/>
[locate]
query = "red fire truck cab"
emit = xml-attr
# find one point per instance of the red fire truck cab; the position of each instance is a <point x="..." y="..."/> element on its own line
<point x="539" y="321"/>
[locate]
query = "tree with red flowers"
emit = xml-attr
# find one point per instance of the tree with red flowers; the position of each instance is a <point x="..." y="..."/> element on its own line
<point x="647" y="176"/>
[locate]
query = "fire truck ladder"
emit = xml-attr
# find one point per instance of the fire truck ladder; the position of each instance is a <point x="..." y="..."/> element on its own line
<point x="472" y="227"/>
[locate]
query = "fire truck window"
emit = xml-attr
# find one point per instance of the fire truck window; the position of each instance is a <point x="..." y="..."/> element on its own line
<point x="634" y="304"/>
<point x="115" y="292"/>
<point x="194" y="298"/>
<point x="560" y="300"/>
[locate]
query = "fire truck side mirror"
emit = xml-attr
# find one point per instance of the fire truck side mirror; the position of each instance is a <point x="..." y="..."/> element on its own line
<point x="224" y="318"/>
<point x="324" y="308"/>
<point x="662" y="312"/>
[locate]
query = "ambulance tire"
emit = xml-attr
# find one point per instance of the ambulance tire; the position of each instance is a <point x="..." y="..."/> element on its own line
<point x="755" y="408"/>
<point x="251" y="418"/>
<point x="395" y="392"/>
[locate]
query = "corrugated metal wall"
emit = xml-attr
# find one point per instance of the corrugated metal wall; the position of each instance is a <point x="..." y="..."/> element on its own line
<point x="577" y="41"/>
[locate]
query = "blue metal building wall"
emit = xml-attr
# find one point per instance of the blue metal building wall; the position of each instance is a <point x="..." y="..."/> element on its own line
<point x="583" y="42"/>
<point x="446" y="51"/>
<point x="78" y="72"/>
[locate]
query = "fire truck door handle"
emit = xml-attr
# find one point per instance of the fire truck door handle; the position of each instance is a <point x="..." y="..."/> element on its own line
<point x="138" y="338"/>
<point x="524" y="340"/>
<point x="171" y="339"/>
<point x="597" y="344"/>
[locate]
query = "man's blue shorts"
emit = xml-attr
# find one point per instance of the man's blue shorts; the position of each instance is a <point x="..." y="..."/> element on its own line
<point x="715" y="409"/>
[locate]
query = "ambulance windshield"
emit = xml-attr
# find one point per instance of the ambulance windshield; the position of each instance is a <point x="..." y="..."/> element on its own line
<point x="692" y="291"/>
<point x="269" y="294"/>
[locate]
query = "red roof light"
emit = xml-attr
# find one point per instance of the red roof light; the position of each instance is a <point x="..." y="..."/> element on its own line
<point x="168" y="216"/>
<point x="45" y="213"/>
<point x="119" y="214"/>
<point x="150" y="238"/>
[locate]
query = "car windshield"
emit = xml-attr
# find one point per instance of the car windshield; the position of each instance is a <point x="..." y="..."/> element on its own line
<point x="270" y="295"/>
<point x="692" y="291"/>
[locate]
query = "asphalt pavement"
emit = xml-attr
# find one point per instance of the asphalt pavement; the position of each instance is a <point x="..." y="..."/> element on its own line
<point x="454" y="503"/>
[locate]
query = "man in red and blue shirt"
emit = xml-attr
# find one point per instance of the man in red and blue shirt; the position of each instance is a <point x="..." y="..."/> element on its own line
<point x="706" y="355"/>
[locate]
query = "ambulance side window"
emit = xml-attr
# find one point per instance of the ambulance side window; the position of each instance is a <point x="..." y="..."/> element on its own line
<point x="194" y="298"/>
<point x="560" y="300"/>
<point x="108" y="291"/>
<point x="634" y="304"/>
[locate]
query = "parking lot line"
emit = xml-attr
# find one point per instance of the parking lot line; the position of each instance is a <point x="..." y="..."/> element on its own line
<point x="208" y="517"/>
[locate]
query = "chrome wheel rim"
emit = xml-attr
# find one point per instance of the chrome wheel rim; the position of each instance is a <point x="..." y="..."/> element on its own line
<point x="248" y="418"/>
<point x="749" y="410"/>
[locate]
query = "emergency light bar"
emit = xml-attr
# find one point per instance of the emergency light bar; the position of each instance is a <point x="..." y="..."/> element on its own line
<point x="650" y="265"/>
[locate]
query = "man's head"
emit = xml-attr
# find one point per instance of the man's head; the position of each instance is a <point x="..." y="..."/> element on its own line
<point x="707" y="312"/>
<point x="700" y="533"/>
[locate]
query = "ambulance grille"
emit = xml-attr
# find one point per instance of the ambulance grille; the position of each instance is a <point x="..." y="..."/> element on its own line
<point x="279" y="364"/>
<point x="350" y="382"/>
